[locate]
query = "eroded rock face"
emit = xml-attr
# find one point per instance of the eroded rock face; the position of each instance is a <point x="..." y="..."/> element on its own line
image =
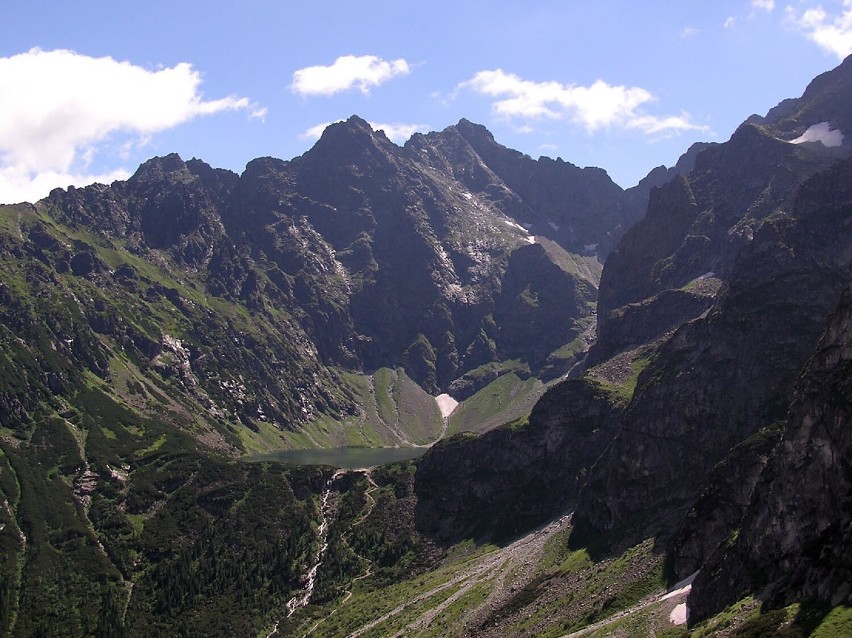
<point x="645" y="321"/>
<point x="699" y="222"/>
<point x="718" y="380"/>
<point x="574" y="206"/>
<point x="359" y="254"/>
<point x="796" y="535"/>
<point x="722" y="502"/>
<point x="765" y="217"/>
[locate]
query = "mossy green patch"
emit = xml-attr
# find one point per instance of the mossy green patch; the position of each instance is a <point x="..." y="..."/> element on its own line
<point x="838" y="622"/>
<point x="505" y="399"/>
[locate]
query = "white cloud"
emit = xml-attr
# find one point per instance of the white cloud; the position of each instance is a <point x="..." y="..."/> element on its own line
<point x="58" y="108"/>
<point x="831" y="32"/>
<point x="315" y="132"/>
<point x="19" y="185"/>
<point x="689" y="32"/>
<point x="399" y="133"/>
<point x="600" y="105"/>
<point x="259" y="113"/>
<point x="766" y="5"/>
<point x="348" y="71"/>
<point x="730" y="21"/>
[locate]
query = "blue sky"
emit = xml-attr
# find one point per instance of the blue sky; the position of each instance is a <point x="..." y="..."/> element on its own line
<point x="89" y="88"/>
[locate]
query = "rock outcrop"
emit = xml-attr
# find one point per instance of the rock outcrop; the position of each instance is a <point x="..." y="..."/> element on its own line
<point x="518" y="476"/>
<point x="719" y="379"/>
<point x="731" y="273"/>
<point x="796" y="535"/>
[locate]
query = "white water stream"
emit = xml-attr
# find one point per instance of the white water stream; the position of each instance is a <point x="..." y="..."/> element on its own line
<point x="304" y="597"/>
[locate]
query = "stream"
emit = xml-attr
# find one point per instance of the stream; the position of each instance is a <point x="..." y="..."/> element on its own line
<point x="304" y="597"/>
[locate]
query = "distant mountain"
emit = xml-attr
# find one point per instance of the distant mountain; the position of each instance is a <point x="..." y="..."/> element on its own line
<point x="247" y="295"/>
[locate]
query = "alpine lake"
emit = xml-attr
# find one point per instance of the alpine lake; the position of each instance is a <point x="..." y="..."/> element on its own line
<point x="347" y="458"/>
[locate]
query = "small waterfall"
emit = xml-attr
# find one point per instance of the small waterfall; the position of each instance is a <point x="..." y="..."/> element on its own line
<point x="303" y="598"/>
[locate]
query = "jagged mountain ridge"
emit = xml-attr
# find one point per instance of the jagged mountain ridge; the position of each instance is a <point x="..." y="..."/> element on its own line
<point x="709" y="309"/>
<point x="766" y="217"/>
<point x="248" y="296"/>
<point x="151" y="327"/>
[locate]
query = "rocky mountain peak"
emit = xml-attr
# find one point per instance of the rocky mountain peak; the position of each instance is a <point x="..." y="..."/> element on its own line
<point x="475" y="133"/>
<point x="168" y="167"/>
<point x="349" y="138"/>
<point x="825" y="102"/>
<point x="346" y="151"/>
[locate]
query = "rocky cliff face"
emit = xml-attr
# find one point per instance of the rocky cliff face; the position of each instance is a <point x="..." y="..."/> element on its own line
<point x="735" y="266"/>
<point x="795" y="535"/>
<point x="581" y="208"/>
<point x="519" y="475"/>
<point x="719" y="379"/>
<point x="722" y="502"/>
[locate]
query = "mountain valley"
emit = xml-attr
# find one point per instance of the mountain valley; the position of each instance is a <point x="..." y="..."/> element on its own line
<point x="633" y="406"/>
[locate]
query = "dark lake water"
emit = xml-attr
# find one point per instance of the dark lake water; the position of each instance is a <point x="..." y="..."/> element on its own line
<point x="342" y="457"/>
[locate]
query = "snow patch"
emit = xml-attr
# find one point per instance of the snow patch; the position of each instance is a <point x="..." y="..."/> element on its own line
<point x="678" y="615"/>
<point x="467" y="195"/>
<point x="821" y="133"/>
<point x="554" y="226"/>
<point x="531" y="239"/>
<point x="590" y="248"/>
<point x="446" y="404"/>
<point x="680" y="612"/>
<point x="683" y="587"/>
<point x="514" y="225"/>
<point x="706" y="275"/>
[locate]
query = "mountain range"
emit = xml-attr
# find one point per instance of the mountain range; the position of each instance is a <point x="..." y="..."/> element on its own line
<point x="668" y="363"/>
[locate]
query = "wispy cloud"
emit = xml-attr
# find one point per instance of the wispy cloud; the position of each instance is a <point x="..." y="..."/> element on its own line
<point x="58" y="109"/>
<point x="758" y="8"/>
<point x="832" y="32"/>
<point x="396" y="132"/>
<point x="688" y="32"/>
<point x="600" y="105"/>
<point x="315" y="132"/>
<point x="347" y="72"/>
